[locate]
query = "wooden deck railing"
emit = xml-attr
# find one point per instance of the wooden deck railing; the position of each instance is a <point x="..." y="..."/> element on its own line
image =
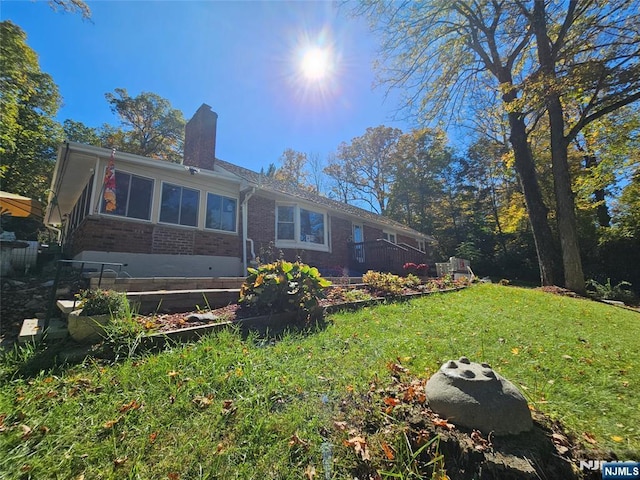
<point x="383" y="256"/>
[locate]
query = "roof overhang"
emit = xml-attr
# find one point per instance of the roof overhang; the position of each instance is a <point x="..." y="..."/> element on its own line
<point x="76" y="163"/>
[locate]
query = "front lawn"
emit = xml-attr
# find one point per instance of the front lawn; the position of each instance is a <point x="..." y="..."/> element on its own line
<point x="229" y="407"/>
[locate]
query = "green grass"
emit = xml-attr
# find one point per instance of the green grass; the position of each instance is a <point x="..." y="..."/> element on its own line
<point x="229" y="407"/>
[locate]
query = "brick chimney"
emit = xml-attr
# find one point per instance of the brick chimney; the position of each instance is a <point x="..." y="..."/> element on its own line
<point x="200" y="138"/>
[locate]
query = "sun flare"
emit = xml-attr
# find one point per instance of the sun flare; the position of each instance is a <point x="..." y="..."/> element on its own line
<point x="316" y="63"/>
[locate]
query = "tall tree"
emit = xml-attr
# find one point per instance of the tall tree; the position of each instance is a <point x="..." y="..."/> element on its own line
<point x="79" y="132"/>
<point x="579" y="44"/>
<point x="366" y="165"/>
<point x="72" y="6"/>
<point x="151" y="127"/>
<point x="29" y="101"/>
<point x="292" y="168"/>
<point x="542" y="57"/>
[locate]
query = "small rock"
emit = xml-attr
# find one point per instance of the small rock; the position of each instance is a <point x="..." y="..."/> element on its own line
<point x="201" y="317"/>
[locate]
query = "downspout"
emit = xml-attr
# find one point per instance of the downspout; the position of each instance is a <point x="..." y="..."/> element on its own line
<point x="245" y="223"/>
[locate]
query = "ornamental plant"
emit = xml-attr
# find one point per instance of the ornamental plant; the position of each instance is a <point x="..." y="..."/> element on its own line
<point x="386" y="283"/>
<point x="102" y="302"/>
<point x="282" y="286"/>
<point x="419" y="269"/>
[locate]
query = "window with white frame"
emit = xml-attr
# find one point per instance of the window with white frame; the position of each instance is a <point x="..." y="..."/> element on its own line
<point x="133" y="196"/>
<point x="300" y="226"/>
<point x="179" y="205"/>
<point x="221" y="212"/>
<point x="389" y="236"/>
<point x="422" y="245"/>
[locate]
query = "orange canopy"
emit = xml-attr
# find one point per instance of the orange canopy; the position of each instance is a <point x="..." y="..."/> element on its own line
<point x="19" y="206"/>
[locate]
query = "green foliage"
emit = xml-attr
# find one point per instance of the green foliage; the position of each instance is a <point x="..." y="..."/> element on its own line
<point x="102" y="302"/>
<point x="152" y="128"/>
<point x="29" y="135"/>
<point x="363" y="169"/>
<point x="387" y="283"/>
<point x="282" y="286"/>
<point x="341" y="294"/>
<point x="620" y="292"/>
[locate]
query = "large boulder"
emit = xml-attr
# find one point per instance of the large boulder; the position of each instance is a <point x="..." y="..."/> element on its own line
<point x="473" y="395"/>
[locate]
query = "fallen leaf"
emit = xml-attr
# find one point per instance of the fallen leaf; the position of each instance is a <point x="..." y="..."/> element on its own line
<point x="26" y="431"/>
<point x="296" y="440"/>
<point x="391" y="401"/>
<point x="617" y="438"/>
<point x="589" y="438"/>
<point x="439" y="422"/>
<point x="388" y="451"/>
<point x="310" y="472"/>
<point x="172" y="373"/>
<point x="561" y="449"/>
<point x="202" y="401"/>
<point x="174" y="476"/>
<point x="111" y="423"/>
<point x="340" y="425"/>
<point x="397" y="368"/>
<point x="359" y="444"/>
<point x="567" y="357"/>
<point x="559" y="439"/>
<point x="152" y="437"/>
<point x="132" y="405"/>
<point x="120" y="461"/>
<point x="228" y="407"/>
<point x="515" y="350"/>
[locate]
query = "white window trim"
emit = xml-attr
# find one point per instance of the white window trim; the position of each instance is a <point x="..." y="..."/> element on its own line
<point x="324" y="247"/>
<point x="217" y="230"/>
<point x="390" y="233"/>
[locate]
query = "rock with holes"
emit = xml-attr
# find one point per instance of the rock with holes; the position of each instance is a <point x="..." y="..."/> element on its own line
<point x="473" y="395"/>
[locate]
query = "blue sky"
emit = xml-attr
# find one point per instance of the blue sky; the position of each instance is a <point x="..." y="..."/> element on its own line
<point x="241" y="58"/>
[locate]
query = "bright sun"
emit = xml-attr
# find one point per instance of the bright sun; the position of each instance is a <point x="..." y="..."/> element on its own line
<point x="316" y="63"/>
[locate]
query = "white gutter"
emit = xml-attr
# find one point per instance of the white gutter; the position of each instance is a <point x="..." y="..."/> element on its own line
<point x="245" y="223"/>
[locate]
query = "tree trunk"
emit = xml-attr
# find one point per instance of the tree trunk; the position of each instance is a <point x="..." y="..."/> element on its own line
<point x="565" y="205"/>
<point x="602" y="211"/>
<point x="536" y="208"/>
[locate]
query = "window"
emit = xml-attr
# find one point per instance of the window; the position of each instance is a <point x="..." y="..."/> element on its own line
<point x="221" y="213"/>
<point x="391" y="237"/>
<point x="299" y="226"/>
<point x="179" y="205"/>
<point x="422" y="245"/>
<point x="286" y="226"/>
<point x="133" y="196"/>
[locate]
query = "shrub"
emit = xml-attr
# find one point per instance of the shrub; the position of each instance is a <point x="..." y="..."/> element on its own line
<point x="387" y="283"/>
<point x="102" y="302"/>
<point x="620" y="292"/>
<point x="412" y="281"/>
<point x="416" y="268"/>
<point x="282" y="286"/>
<point x="340" y="295"/>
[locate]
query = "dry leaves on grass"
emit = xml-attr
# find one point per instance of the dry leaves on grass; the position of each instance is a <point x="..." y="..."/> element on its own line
<point x="359" y="444"/>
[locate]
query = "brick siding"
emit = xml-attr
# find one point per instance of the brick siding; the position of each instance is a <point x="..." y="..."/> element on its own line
<point x="114" y="235"/>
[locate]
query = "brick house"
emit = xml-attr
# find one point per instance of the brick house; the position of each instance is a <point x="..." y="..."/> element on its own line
<point x="208" y="217"/>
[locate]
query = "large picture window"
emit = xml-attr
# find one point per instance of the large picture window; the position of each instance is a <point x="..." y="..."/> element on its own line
<point x="298" y="226"/>
<point x="179" y="205"/>
<point x="133" y="196"/>
<point x="221" y="212"/>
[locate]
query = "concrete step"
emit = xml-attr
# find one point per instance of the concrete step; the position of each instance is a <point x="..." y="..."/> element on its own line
<point x="170" y="301"/>
<point x="33" y="330"/>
